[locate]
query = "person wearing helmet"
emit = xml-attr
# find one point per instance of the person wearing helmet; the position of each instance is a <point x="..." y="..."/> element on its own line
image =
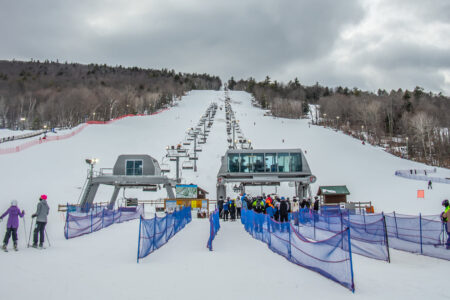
<point x="13" y="213"/>
<point x="41" y="220"/>
<point x="445" y="217"/>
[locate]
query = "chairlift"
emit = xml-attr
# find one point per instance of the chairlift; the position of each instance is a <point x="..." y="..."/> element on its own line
<point x="165" y="168"/>
<point x="187" y="165"/>
<point x="198" y="149"/>
<point x="181" y="150"/>
<point x="150" y="188"/>
<point x="201" y="141"/>
<point x="186" y="142"/>
<point x="173" y="159"/>
<point x="192" y="157"/>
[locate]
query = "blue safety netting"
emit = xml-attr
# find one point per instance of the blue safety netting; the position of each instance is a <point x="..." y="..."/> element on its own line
<point x="417" y="234"/>
<point x="330" y="257"/>
<point x="214" y="226"/>
<point x="154" y="233"/>
<point x="98" y="217"/>
<point x="368" y="232"/>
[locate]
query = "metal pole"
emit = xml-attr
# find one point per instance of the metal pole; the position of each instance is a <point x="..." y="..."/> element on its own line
<point x="195" y="153"/>
<point x="386" y="238"/>
<point x="178" y="168"/>
<point x="234" y="144"/>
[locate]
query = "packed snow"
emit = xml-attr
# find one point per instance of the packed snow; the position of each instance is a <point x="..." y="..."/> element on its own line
<point x="103" y="265"/>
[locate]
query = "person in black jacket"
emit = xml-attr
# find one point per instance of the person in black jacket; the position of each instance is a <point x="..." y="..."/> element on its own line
<point x="232" y="208"/>
<point x="220" y="205"/>
<point x="283" y="210"/>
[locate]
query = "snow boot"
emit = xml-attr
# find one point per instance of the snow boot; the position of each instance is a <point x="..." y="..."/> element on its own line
<point x="4" y="248"/>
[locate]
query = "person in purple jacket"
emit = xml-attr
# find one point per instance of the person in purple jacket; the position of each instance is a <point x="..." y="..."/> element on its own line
<point x="13" y="213"/>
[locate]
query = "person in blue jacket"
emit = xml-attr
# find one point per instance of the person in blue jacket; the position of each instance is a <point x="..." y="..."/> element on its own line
<point x="225" y="210"/>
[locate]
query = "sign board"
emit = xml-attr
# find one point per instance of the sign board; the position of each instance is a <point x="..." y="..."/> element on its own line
<point x="420" y="194"/>
<point x="171" y="205"/>
<point x="186" y="191"/>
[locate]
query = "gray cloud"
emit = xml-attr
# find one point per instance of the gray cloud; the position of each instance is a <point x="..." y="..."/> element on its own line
<point x="283" y="39"/>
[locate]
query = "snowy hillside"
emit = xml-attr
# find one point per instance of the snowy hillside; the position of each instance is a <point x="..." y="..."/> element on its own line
<point x="103" y="265"/>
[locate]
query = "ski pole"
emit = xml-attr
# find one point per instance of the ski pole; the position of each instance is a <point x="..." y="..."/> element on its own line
<point x="29" y="237"/>
<point x="48" y="240"/>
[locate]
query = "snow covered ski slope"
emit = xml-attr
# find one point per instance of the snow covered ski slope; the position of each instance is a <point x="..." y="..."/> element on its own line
<point x="103" y="265"/>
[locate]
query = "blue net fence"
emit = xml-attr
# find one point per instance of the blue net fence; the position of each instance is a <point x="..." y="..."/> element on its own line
<point x="80" y="223"/>
<point x="214" y="226"/>
<point x="368" y="232"/>
<point x="330" y="257"/>
<point x="154" y="233"/>
<point x="417" y="234"/>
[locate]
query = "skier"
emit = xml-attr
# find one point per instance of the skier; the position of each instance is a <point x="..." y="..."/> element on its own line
<point x="13" y="213"/>
<point x="225" y="211"/>
<point x="316" y="204"/>
<point x="41" y="220"/>
<point x="220" y="205"/>
<point x="238" y="207"/>
<point x="283" y="210"/>
<point x="430" y="187"/>
<point x="232" y="208"/>
<point x="444" y="217"/>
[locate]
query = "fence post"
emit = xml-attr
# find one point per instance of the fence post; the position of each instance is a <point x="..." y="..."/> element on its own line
<point x="420" y="223"/>
<point x="342" y="229"/>
<point x="154" y="232"/>
<point x="67" y="222"/>
<point x="91" y="221"/>
<point x="139" y="240"/>
<point x="386" y="239"/>
<point x="315" y="214"/>
<point x="166" y="226"/>
<point x="351" y="260"/>
<point x="396" y="228"/>
<point x="103" y="217"/>
<point x="364" y="215"/>
<point x="290" y="247"/>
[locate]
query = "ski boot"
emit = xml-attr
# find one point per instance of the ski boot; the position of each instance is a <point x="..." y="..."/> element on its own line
<point x="15" y="247"/>
<point x="41" y="247"/>
<point x="34" y="246"/>
<point x="4" y="248"/>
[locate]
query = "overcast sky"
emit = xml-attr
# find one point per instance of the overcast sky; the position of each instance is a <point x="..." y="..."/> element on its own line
<point x="369" y="44"/>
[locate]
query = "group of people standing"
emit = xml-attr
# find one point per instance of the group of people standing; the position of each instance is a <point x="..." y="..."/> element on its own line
<point x="13" y="213"/>
<point x="231" y="207"/>
<point x="276" y="207"/>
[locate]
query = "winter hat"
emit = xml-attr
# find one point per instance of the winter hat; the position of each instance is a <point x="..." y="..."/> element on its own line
<point x="14" y="202"/>
<point x="43" y="197"/>
<point x="282" y="198"/>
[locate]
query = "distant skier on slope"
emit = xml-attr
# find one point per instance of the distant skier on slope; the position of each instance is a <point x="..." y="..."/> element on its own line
<point x="41" y="220"/>
<point x="444" y="217"/>
<point x="13" y="213"/>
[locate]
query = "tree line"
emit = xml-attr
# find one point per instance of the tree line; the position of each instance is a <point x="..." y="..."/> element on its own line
<point x="34" y="94"/>
<point x="412" y="124"/>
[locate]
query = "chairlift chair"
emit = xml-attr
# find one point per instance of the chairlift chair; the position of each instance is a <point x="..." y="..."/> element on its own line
<point x="165" y="168"/>
<point x="198" y="149"/>
<point x="186" y="142"/>
<point x="187" y="165"/>
<point x="192" y="157"/>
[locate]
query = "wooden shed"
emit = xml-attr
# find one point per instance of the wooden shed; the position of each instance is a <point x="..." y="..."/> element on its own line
<point x="333" y="194"/>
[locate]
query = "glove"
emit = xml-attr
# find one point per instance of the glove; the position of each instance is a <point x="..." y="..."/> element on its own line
<point x="33" y="215"/>
<point x="23" y="212"/>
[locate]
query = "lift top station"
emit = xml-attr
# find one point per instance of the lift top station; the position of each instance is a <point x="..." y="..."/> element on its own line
<point x="130" y="171"/>
<point x="264" y="167"/>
